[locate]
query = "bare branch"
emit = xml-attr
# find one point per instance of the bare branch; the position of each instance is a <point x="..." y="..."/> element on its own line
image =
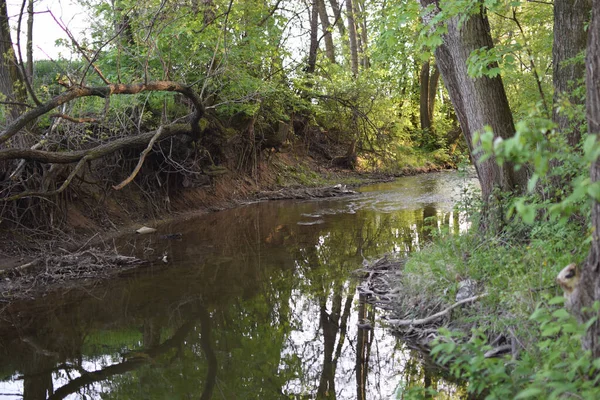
<point x="62" y="187"/>
<point x="68" y="157"/>
<point x="423" y="321"/>
<point x="80" y="49"/>
<point x="105" y="91"/>
<point x="141" y="161"/>
<point x="72" y="119"/>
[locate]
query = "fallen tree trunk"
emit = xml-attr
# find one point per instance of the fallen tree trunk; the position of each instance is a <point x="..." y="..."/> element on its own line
<point x="75" y="92"/>
<point x="94" y="153"/>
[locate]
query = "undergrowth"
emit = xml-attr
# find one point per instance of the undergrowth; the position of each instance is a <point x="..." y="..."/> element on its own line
<point x="517" y="269"/>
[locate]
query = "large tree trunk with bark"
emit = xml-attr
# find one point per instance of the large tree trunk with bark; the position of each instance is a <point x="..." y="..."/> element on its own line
<point x="587" y="291"/>
<point x="570" y="37"/>
<point x="478" y="102"/>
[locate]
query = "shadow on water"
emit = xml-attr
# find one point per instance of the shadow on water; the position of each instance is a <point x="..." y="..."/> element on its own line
<point x="257" y="302"/>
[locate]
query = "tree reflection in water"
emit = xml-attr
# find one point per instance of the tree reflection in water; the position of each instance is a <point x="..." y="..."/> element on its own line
<point x="257" y="302"/>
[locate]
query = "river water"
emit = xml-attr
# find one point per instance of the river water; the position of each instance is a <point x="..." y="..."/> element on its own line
<point x="257" y="302"/>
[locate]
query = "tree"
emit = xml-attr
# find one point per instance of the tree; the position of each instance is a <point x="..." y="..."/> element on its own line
<point x="329" y="48"/>
<point x="570" y="18"/>
<point x="429" y="82"/>
<point x="587" y="292"/>
<point x="478" y="101"/>
<point x="314" y="38"/>
<point x="352" y="37"/>
<point x="11" y="84"/>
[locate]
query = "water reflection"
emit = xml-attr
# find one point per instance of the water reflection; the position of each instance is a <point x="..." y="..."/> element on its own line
<point x="256" y="302"/>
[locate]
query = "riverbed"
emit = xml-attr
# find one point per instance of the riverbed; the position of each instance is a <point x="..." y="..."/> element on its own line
<point x="256" y="302"/>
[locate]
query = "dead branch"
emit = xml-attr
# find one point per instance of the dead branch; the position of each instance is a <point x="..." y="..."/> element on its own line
<point x="62" y="187"/>
<point x="73" y="119"/>
<point x="93" y="153"/>
<point x="80" y="49"/>
<point x="141" y="161"/>
<point x="75" y="92"/>
<point x="423" y="321"/>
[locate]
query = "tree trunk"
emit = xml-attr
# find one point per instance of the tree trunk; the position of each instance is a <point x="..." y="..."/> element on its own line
<point x="570" y="19"/>
<point x="209" y="11"/>
<point x="337" y="17"/>
<point x="478" y="102"/>
<point x="314" y="39"/>
<point x="363" y="36"/>
<point x="424" y="97"/>
<point x="434" y="78"/>
<point x="352" y="37"/>
<point x="11" y="85"/>
<point x="588" y="289"/>
<point x="329" y="48"/>
<point x="428" y="90"/>
<point x="29" y="47"/>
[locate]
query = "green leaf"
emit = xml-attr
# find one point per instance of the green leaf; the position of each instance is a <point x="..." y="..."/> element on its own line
<point x="561" y="313"/>
<point x="528" y="393"/>
<point x="557" y="300"/>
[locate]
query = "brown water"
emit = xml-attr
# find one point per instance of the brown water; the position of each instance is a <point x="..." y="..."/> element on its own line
<point x="257" y="302"/>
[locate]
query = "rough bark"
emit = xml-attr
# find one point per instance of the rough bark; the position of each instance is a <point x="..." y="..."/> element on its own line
<point x="352" y="37"/>
<point x="326" y="26"/>
<point x="478" y="102"/>
<point x="587" y="290"/>
<point x="11" y="85"/>
<point x="570" y="37"/>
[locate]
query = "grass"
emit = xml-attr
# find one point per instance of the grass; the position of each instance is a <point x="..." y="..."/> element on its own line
<point x="517" y="268"/>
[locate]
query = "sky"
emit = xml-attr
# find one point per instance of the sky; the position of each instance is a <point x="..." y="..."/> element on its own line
<point x="45" y="30"/>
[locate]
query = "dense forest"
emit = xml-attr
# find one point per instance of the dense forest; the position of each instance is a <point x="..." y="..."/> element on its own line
<point x="162" y="98"/>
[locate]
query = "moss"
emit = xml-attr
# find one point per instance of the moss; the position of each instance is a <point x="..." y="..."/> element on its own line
<point x="204" y="123"/>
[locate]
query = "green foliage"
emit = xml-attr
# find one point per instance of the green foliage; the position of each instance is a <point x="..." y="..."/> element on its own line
<point x="555" y="367"/>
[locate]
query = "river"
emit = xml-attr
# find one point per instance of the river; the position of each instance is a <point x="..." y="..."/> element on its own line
<point x="256" y="302"/>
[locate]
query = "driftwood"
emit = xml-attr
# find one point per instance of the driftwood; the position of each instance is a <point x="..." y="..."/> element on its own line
<point x="60" y="270"/>
<point x="306" y="193"/>
<point x="423" y="321"/>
